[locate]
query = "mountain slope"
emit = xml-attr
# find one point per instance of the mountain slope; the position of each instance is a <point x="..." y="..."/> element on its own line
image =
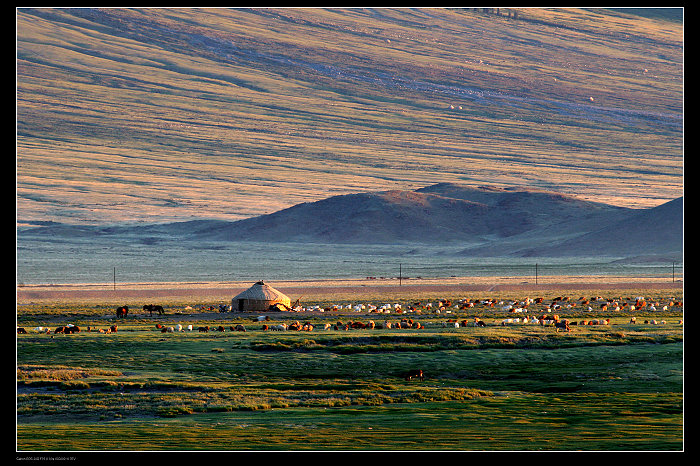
<point x="658" y="230"/>
<point x="441" y="213"/>
<point x="150" y="114"/>
<point x="485" y="221"/>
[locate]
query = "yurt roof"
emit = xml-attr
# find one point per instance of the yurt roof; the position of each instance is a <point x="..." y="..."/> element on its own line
<point x="261" y="292"/>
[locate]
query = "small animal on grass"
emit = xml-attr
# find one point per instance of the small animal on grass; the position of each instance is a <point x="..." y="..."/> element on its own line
<point x="562" y="325"/>
<point x="21" y="330"/>
<point x="122" y="311"/>
<point x="414" y="373"/>
<point x="151" y="308"/>
<point x="67" y="329"/>
<point x="203" y="329"/>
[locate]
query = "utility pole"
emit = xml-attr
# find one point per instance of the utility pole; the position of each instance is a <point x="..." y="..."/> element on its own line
<point x="535" y="273"/>
<point x="399" y="274"/>
<point x="673" y="269"/>
<point x="114" y="279"/>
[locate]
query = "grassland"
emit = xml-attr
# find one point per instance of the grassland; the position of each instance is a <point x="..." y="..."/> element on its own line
<point x="516" y="387"/>
<point x="168" y="114"/>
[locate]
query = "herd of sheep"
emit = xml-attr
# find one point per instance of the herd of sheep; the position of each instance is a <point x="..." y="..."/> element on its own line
<point x="527" y="311"/>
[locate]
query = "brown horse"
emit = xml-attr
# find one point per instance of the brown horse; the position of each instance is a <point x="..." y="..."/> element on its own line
<point x="151" y="308"/>
<point x="122" y="311"/>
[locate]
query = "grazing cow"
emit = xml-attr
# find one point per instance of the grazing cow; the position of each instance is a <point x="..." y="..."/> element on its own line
<point x="240" y="328"/>
<point x="151" y="308"/>
<point x="122" y="311"/>
<point x="203" y="329"/>
<point x="113" y="329"/>
<point x="414" y="373"/>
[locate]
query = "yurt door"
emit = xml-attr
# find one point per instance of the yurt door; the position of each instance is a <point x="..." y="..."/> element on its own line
<point x="240" y="305"/>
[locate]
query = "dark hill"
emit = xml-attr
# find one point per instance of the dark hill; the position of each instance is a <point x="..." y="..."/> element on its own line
<point x="658" y="230"/>
<point x="486" y="221"/>
<point x="436" y="214"/>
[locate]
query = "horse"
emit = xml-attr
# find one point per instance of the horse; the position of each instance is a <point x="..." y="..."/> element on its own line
<point x="122" y="311"/>
<point x="151" y="308"/>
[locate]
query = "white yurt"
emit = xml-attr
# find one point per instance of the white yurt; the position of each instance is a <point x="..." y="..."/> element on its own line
<point x="258" y="297"/>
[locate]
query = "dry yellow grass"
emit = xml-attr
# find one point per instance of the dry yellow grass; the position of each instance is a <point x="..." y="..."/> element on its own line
<point x="166" y="114"/>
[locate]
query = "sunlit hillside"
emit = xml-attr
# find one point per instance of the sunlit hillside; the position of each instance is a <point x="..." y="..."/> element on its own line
<point x="156" y="115"/>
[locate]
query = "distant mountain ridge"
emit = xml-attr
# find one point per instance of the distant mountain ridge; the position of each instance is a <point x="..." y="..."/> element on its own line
<point x="489" y="221"/>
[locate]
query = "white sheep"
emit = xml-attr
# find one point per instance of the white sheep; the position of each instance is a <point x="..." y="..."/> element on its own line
<point x="189" y="328"/>
<point x="178" y="327"/>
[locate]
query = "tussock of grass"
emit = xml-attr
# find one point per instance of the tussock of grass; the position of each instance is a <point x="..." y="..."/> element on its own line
<point x="29" y="372"/>
<point x="403" y="343"/>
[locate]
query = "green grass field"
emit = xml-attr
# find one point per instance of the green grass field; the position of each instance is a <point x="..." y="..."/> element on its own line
<point x="519" y="387"/>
